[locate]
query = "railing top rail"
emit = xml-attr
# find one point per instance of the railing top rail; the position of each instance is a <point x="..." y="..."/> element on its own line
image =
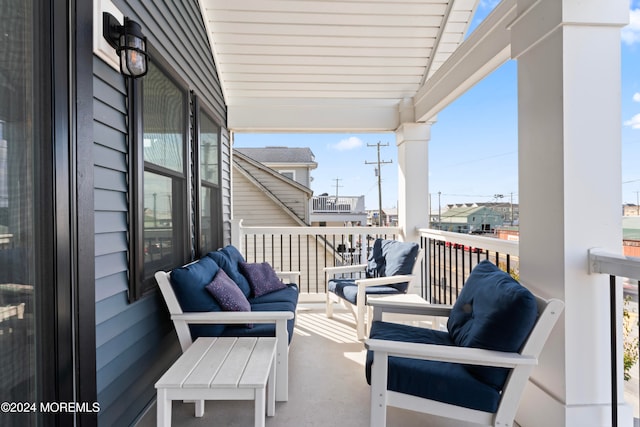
<point x="320" y="230"/>
<point x="601" y="261"/>
<point x="488" y="243"/>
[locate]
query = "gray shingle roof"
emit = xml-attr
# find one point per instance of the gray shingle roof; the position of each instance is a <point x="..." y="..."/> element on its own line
<point x="279" y="154"/>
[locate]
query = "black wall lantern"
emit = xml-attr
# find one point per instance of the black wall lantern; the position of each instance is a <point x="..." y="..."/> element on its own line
<point x="129" y="42"/>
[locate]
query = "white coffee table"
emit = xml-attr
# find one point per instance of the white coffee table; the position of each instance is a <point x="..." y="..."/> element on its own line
<point x="221" y="369"/>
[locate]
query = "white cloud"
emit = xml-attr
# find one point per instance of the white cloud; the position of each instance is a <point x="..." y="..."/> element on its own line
<point x="348" y="144"/>
<point x="634" y="122"/>
<point x="631" y="33"/>
<point x="636" y="96"/>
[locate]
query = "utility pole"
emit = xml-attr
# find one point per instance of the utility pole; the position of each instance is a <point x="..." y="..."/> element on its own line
<point x="637" y="204"/>
<point x="379" y="174"/>
<point x="511" y="208"/>
<point x="439" y="212"/>
<point x="337" y="180"/>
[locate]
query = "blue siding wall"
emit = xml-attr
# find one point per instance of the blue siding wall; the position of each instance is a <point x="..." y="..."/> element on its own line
<point x="136" y="343"/>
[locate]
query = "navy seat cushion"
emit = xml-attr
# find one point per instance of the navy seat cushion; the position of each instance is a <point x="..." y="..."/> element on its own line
<point x="287" y="295"/>
<point x="262" y="329"/>
<point x="444" y="382"/>
<point x="229" y="258"/>
<point x="348" y="290"/>
<point x="189" y="284"/>
<point x="494" y="312"/>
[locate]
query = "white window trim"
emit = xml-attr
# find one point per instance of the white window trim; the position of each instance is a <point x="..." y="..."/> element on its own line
<point x="101" y="48"/>
<point x="291" y="171"/>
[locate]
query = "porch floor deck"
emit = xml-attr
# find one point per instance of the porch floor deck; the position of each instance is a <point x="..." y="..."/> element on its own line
<point x="327" y="386"/>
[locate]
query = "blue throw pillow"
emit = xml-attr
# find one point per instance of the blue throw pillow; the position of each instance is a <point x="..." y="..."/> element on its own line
<point x="189" y="283"/>
<point x="229" y="259"/>
<point x="227" y="293"/>
<point x="493" y="312"/>
<point x="262" y="278"/>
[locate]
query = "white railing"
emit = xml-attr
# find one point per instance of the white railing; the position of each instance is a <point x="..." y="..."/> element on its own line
<point x="308" y="249"/>
<point x="614" y="265"/>
<point x="329" y="204"/>
<point x="506" y="247"/>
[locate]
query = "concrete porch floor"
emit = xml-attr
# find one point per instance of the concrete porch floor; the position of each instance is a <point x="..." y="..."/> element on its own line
<point x="327" y="385"/>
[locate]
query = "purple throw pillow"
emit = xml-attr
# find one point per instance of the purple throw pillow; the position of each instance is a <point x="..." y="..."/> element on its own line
<point x="262" y="278"/>
<point x="227" y="293"/>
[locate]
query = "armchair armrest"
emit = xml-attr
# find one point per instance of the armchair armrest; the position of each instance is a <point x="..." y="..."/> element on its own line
<point x="229" y="317"/>
<point x="404" y="306"/>
<point x="443" y="353"/>
<point x="345" y="269"/>
<point x="388" y="280"/>
<point x="288" y="276"/>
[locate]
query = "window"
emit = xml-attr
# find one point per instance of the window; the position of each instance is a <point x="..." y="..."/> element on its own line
<point x="175" y="197"/>
<point x="159" y="237"/>
<point x="291" y="174"/>
<point x="209" y="220"/>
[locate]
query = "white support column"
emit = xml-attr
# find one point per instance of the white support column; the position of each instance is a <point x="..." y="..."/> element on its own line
<point x="569" y="136"/>
<point x="412" y="140"/>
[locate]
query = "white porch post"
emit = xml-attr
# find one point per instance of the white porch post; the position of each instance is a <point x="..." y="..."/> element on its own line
<point x="412" y="140"/>
<point x="569" y="124"/>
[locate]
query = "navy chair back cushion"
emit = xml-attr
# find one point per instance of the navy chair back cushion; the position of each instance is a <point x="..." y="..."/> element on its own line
<point x="229" y="258"/>
<point x="189" y="284"/>
<point x="375" y="262"/>
<point x="494" y="312"/>
<point x="390" y="258"/>
<point x="399" y="257"/>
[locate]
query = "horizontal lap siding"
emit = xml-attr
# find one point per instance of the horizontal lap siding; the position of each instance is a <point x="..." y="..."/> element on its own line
<point x="136" y="343"/>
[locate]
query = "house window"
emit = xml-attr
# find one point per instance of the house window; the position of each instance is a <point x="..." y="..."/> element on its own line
<point x="289" y="174"/>
<point x="209" y="220"/>
<point x="159" y="229"/>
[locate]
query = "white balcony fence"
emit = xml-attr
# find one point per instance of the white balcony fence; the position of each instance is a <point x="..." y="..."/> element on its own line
<point x="331" y="204"/>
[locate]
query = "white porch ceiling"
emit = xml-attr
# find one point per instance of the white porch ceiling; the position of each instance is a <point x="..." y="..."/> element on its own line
<point x="328" y="65"/>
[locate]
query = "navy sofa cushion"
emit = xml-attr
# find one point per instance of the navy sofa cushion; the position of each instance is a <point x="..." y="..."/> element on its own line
<point x="189" y="284"/>
<point x="444" y="382"/>
<point x="288" y="295"/>
<point x="261" y="329"/>
<point x="348" y="290"/>
<point x="229" y="258"/>
<point x="495" y="312"/>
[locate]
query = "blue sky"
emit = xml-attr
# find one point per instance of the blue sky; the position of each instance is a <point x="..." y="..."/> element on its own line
<point x="469" y="162"/>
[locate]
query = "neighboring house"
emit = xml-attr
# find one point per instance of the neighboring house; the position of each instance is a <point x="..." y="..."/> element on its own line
<point x="510" y="211"/>
<point x="631" y="235"/>
<point x="282" y="199"/>
<point x="630" y="209"/>
<point x="389" y="217"/>
<point x="332" y="211"/>
<point x="295" y="163"/>
<point x="467" y="220"/>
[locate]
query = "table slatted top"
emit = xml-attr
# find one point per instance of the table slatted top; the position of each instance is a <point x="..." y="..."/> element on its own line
<point x="224" y="362"/>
